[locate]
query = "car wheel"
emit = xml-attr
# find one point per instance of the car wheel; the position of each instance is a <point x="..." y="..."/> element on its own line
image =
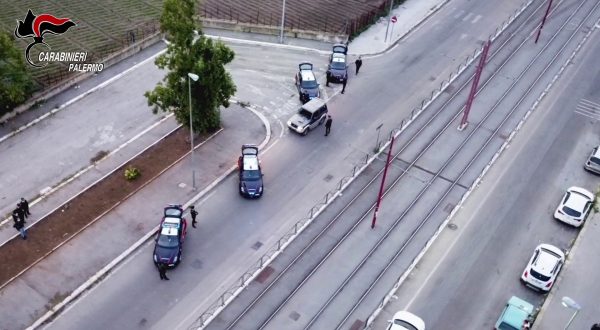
<point x="306" y="131"/>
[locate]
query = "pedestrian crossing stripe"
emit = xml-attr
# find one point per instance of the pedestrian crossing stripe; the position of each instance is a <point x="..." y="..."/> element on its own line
<point x="588" y="109"/>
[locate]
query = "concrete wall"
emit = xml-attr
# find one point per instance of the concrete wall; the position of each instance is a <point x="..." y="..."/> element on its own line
<point x="272" y="30"/>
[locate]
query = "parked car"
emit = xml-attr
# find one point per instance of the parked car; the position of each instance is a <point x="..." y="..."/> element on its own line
<point x="404" y="320"/>
<point x="593" y="162"/>
<point x="170" y="238"/>
<point x="310" y="115"/>
<point x="337" y="70"/>
<point x="575" y="206"/>
<point x="543" y="267"/>
<point x="515" y="314"/>
<point x="307" y="85"/>
<point x="250" y="173"/>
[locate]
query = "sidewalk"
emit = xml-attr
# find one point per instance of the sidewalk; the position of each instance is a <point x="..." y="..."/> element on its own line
<point x="47" y="283"/>
<point x="578" y="282"/>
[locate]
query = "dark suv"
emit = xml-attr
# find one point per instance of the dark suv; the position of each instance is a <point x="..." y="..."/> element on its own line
<point x="337" y="70"/>
<point x="307" y="85"/>
<point x="251" y="184"/>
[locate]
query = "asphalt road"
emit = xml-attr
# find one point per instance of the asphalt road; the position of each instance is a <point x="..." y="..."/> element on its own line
<point x="470" y="273"/>
<point x="298" y="171"/>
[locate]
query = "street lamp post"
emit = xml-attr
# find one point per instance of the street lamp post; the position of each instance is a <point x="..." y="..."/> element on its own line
<point x="282" y="22"/>
<point x="572" y="304"/>
<point x="194" y="77"/>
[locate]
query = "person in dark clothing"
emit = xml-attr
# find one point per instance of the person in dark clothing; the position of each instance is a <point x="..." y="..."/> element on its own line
<point x="344" y="85"/>
<point x="162" y="270"/>
<point x="193" y="213"/>
<point x="15" y="216"/>
<point x="328" y="125"/>
<point x="24" y="206"/>
<point x="20" y="213"/>
<point x="358" y="63"/>
<point x="596" y="326"/>
<point x="20" y="226"/>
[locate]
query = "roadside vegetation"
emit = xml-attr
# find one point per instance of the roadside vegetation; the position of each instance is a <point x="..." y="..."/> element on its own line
<point x="16" y="84"/>
<point x="189" y="51"/>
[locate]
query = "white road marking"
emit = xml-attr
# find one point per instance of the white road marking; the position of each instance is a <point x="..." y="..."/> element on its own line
<point x="594" y="104"/>
<point x="476" y="19"/>
<point x="460" y="13"/>
<point x="466" y="18"/>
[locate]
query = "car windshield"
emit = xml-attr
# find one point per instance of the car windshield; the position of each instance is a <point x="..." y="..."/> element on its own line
<point x="338" y="65"/>
<point x="250" y="175"/>
<point x="309" y="84"/>
<point x="168" y="241"/>
<point x="505" y="326"/>
<point x="405" y="324"/>
<point x="571" y="212"/>
<point x="595" y="160"/>
<point x="539" y="276"/>
<point x="306" y="114"/>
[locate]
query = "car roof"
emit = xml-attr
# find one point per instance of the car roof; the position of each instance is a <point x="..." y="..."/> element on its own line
<point x="547" y="259"/>
<point x="337" y="57"/>
<point x="169" y="231"/>
<point x="518" y="310"/>
<point x="313" y="105"/>
<point x="578" y="199"/>
<point x="597" y="153"/>
<point x="307" y="75"/>
<point x="250" y="162"/>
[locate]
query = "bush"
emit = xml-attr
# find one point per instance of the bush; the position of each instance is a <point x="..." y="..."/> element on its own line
<point x="132" y="173"/>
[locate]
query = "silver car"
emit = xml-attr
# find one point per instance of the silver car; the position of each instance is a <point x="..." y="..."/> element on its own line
<point x="310" y="115"/>
<point x="593" y="162"/>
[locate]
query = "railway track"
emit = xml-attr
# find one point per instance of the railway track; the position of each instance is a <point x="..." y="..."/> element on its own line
<point x="334" y="275"/>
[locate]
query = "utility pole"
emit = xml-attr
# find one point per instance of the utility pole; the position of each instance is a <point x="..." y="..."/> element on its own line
<point x="543" y="21"/>
<point x="379" y="197"/>
<point x="389" y="19"/>
<point x="464" y="121"/>
<point x="282" y="23"/>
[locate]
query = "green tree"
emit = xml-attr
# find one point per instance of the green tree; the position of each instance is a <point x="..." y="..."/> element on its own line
<point x="16" y="84"/>
<point x="188" y="52"/>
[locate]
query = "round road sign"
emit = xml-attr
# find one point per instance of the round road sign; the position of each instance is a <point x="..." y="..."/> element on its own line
<point x="394" y="19"/>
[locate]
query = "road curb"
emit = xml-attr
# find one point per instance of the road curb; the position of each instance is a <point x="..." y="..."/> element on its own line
<point x="96" y="278"/>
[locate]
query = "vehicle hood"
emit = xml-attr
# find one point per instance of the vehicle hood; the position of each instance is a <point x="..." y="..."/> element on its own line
<point x="252" y="185"/>
<point x="338" y="72"/>
<point x="312" y="92"/>
<point x="299" y="121"/>
<point x="165" y="255"/>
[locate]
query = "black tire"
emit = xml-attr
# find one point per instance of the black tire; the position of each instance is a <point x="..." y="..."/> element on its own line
<point x="306" y="131"/>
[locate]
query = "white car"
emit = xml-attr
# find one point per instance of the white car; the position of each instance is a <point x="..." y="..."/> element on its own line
<point x="575" y="206"/>
<point x="593" y="162"/>
<point x="543" y="267"/>
<point x="404" y="320"/>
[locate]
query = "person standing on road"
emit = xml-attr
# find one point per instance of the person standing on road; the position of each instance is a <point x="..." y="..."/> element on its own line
<point x="344" y="85"/>
<point x="328" y="125"/>
<point x="162" y="270"/>
<point x="596" y="326"/>
<point x="20" y="226"/>
<point x="15" y="216"/>
<point x="193" y="213"/>
<point x="20" y="213"/>
<point x="24" y="206"/>
<point x="358" y="63"/>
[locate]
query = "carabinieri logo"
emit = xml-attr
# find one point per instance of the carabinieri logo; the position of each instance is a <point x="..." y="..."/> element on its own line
<point x="37" y="26"/>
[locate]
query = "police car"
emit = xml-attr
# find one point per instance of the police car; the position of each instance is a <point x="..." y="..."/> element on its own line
<point x="171" y="234"/>
<point x="307" y="85"/>
<point x="337" y="70"/>
<point x="250" y="174"/>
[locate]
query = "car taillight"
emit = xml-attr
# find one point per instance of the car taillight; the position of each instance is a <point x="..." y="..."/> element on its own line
<point x="549" y="284"/>
<point x="525" y="274"/>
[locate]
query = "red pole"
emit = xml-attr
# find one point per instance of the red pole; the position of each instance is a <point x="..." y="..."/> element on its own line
<point x="463" y="122"/>
<point x="543" y="21"/>
<point x="387" y="164"/>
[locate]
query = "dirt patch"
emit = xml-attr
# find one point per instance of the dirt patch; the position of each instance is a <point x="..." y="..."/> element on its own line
<point x="61" y="225"/>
